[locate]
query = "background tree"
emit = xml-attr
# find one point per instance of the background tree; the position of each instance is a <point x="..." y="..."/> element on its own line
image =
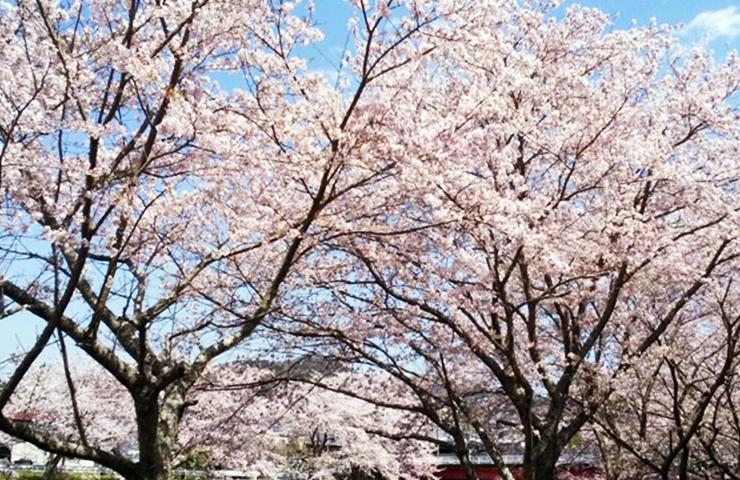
<point x="718" y="433"/>
<point x="303" y="429"/>
<point x="664" y="417"/>
<point x="241" y="416"/>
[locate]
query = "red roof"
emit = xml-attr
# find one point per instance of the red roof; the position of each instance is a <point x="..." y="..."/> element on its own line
<point x="22" y="416"/>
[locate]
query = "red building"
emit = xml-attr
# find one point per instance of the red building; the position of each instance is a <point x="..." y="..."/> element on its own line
<point x="573" y="466"/>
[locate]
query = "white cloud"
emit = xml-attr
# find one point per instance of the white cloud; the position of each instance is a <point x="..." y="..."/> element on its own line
<point x="717" y="23"/>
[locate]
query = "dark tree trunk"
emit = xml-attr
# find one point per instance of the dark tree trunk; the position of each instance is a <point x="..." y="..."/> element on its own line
<point x="540" y="460"/>
<point x="154" y="454"/>
<point x="544" y="468"/>
<point x="157" y="421"/>
<point x="464" y="459"/>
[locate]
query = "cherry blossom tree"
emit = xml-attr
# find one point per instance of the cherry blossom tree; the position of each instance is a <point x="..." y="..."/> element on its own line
<point x="454" y="395"/>
<point x="486" y="202"/>
<point x="240" y="417"/>
<point x="720" y="430"/>
<point x="80" y="401"/>
<point x="312" y="431"/>
<point x="665" y="417"/>
<point x="571" y="190"/>
<point x="167" y="170"/>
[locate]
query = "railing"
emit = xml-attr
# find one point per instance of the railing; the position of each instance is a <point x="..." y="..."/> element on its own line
<point x="96" y="471"/>
<point x="90" y="470"/>
<point x="579" y="458"/>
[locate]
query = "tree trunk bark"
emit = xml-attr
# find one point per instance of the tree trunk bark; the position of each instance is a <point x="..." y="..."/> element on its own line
<point x="157" y="431"/>
<point x="154" y="450"/>
<point x="544" y="468"/>
<point x="683" y="473"/>
<point x="540" y="462"/>
<point x="467" y="466"/>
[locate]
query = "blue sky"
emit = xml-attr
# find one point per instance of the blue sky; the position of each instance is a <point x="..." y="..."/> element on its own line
<point x="665" y="11"/>
<point x="715" y="21"/>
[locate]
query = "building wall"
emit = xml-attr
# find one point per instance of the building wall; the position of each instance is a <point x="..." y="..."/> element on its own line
<point x="24" y="450"/>
<point x="455" y="472"/>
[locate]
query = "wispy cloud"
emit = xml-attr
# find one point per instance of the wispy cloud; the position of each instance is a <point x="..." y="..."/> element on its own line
<point x="717" y="23"/>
